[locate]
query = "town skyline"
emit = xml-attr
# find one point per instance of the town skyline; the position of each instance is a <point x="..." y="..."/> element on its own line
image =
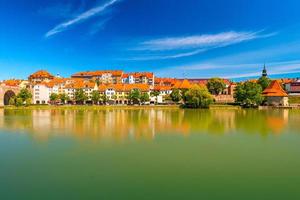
<point x="193" y="39"/>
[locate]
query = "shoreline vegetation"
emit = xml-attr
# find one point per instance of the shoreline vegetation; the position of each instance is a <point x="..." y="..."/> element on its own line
<point x="132" y="107"/>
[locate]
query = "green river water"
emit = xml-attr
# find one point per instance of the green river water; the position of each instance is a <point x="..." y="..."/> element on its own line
<point x="150" y="154"/>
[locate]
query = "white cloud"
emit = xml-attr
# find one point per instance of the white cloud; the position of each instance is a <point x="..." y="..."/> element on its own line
<point x="80" y="18"/>
<point x="200" y="41"/>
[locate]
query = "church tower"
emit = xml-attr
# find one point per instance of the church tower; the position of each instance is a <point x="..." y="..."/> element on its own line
<point x="264" y="71"/>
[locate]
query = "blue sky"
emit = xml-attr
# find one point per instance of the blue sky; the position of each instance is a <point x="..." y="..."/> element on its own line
<point x="182" y="38"/>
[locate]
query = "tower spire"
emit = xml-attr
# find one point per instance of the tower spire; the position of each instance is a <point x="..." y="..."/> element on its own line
<point x="264" y="71"/>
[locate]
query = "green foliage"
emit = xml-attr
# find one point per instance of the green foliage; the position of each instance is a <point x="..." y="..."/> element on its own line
<point x="80" y="96"/>
<point x="144" y="97"/>
<point x="264" y="82"/>
<point x="95" y="96"/>
<point x="104" y="98"/>
<point x="155" y="93"/>
<point x="19" y="101"/>
<point x="54" y="97"/>
<point x="23" y="98"/>
<point x="28" y="101"/>
<point x="63" y="98"/>
<point x="248" y="94"/>
<point x="12" y="101"/>
<point x="134" y="96"/>
<point x="176" y="95"/>
<point x="197" y="97"/>
<point x="24" y="94"/>
<point x="216" y="85"/>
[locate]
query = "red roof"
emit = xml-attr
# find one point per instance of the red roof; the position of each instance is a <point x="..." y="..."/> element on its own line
<point x="98" y="73"/>
<point x="41" y="74"/>
<point x="139" y="75"/>
<point x="274" y="90"/>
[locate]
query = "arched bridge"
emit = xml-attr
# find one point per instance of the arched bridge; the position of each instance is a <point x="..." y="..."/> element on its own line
<point x="6" y="92"/>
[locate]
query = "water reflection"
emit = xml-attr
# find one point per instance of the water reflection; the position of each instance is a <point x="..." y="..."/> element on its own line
<point x="120" y="124"/>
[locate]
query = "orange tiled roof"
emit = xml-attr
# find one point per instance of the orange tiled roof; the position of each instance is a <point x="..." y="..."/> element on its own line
<point x="41" y="74"/>
<point x="80" y="84"/>
<point x="124" y="87"/>
<point x="12" y="82"/>
<point x="165" y="81"/>
<point x="274" y="90"/>
<point x="185" y="84"/>
<point x="162" y="88"/>
<point x="139" y="75"/>
<point x="98" y="73"/>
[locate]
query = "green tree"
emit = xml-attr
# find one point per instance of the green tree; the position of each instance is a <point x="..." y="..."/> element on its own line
<point x="63" y="98"/>
<point x="176" y="95"/>
<point x="264" y="82"/>
<point x="24" y="94"/>
<point x="216" y="85"/>
<point x="198" y="97"/>
<point x="134" y="96"/>
<point x="95" y="96"/>
<point x="80" y="96"/>
<point x="155" y="93"/>
<point x="104" y="98"/>
<point x="12" y="101"/>
<point x="144" y="97"/>
<point x="19" y="101"/>
<point x="248" y="94"/>
<point x="53" y="97"/>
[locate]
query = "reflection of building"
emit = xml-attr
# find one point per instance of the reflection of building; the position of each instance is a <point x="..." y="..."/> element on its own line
<point x="275" y="95"/>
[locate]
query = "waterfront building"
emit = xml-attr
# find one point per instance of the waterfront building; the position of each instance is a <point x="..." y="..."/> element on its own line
<point x="139" y="78"/>
<point x="16" y="83"/>
<point x="293" y="87"/>
<point x="40" y="76"/>
<point x="72" y="85"/>
<point x="118" y="93"/>
<point x="101" y="76"/>
<point x="165" y="81"/>
<point x="275" y="95"/>
<point x="41" y="93"/>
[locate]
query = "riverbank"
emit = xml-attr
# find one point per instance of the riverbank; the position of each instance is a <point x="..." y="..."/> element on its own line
<point x="103" y="107"/>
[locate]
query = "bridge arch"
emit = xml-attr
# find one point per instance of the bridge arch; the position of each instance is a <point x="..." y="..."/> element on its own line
<point x="6" y="92"/>
<point x="7" y="96"/>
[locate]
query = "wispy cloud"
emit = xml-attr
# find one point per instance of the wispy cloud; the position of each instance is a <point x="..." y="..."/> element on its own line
<point x="201" y="41"/>
<point x="185" y="46"/>
<point x="238" y="70"/>
<point x="80" y="18"/>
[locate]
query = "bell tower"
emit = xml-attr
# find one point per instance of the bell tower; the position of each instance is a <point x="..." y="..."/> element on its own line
<point x="264" y="71"/>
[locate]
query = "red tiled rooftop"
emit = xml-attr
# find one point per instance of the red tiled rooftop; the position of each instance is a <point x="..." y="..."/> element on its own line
<point x="274" y="90"/>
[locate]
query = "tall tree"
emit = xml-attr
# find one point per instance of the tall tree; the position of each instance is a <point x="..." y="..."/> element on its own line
<point x="144" y="97"/>
<point x="80" y="96"/>
<point x="104" y="98"/>
<point x="216" y="85"/>
<point x="248" y="94"/>
<point x="155" y="93"/>
<point x="176" y="95"/>
<point x="53" y="97"/>
<point x="264" y="82"/>
<point x="24" y="96"/>
<point x="198" y="97"/>
<point x="95" y="96"/>
<point x="134" y="96"/>
<point x="63" y="98"/>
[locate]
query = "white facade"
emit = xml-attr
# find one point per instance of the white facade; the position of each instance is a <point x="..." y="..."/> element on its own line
<point x="41" y="94"/>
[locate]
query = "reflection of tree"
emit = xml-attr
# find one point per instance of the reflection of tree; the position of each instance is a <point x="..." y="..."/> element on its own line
<point x="120" y="124"/>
